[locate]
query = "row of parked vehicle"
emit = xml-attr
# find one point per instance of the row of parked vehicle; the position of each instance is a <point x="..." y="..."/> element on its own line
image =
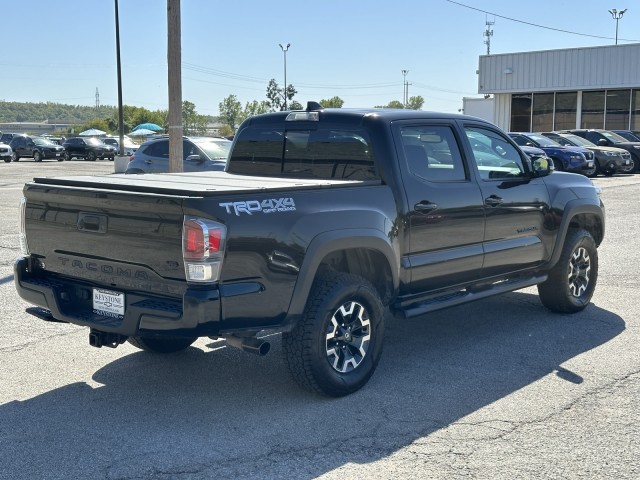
<point x="586" y="151"/>
<point x="14" y="146"/>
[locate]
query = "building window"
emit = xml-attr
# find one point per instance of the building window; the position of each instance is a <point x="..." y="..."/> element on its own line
<point x="635" y="110"/>
<point x="542" y="119"/>
<point x="617" y="117"/>
<point x="593" y="109"/>
<point x="520" y="112"/>
<point x="566" y="105"/>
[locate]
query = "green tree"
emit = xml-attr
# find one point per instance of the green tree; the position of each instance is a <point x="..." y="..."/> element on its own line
<point x="391" y="104"/>
<point x="256" y="108"/>
<point x="335" y="102"/>
<point x="230" y="112"/>
<point x="277" y="95"/>
<point x="415" y="103"/>
<point x="192" y="122"/>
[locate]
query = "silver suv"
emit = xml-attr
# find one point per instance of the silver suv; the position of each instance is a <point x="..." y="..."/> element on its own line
<point x="199" y="154"/>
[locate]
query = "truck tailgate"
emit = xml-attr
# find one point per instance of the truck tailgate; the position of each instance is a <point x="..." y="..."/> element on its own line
<point x="114" y="238"/>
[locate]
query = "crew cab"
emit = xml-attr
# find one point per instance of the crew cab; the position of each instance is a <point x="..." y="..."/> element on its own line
<point x="323" y="220"/>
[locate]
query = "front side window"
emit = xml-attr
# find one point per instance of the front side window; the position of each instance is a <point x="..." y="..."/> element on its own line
<point x="495" y="157"/>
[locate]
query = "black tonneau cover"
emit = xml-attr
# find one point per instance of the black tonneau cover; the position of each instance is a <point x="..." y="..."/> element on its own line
<point x="200" y="184"/>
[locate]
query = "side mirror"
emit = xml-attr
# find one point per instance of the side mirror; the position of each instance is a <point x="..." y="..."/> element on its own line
<point x="541" y="166"/>
<point x="194" y="158"/>
<point x="603" y="142"/>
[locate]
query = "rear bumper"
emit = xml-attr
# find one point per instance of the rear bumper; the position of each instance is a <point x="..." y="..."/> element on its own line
<point x="69" y="300"/>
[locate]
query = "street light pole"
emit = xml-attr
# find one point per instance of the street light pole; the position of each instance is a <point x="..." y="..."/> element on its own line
<point x="284" y="51"/>
<point x="617" y="15"/>
<point x="119" y="74"/>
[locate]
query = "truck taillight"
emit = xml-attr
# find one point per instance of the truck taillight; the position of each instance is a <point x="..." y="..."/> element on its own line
<point x="24" y="247"/>
<point x="202" y="249"/>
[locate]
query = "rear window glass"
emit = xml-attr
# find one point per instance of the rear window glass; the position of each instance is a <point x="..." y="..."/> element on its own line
<point x="323" y="153"/>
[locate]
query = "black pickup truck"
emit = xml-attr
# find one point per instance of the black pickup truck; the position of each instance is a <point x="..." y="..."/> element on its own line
<point x="323" y="221"/>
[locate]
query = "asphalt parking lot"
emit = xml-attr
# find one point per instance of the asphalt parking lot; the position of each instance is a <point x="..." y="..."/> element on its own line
<point x="498" y="389"/>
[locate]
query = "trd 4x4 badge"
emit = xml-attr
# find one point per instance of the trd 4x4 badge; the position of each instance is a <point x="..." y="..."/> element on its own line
<point x="256" y="206"/>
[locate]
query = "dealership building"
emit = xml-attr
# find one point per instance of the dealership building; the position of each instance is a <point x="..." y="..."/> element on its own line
<point x="591" y="87"/>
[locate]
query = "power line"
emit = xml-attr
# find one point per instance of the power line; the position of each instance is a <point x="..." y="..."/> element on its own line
<point x="535" y="24"/>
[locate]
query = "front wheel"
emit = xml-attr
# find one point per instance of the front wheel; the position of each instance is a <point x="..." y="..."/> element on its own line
<point x="91" y="156"/>
<point x="572" y="280"/>
<point x="335" y="347"/>
<point x="15" y="157"/>
<point x="67" y="156"/>
<point x="161" y="344"/>
<point x="37" y="156"/>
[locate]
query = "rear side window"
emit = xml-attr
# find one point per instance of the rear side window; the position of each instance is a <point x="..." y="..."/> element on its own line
<point x="432" y="153"/>
<point x="158" y="149"/>
<point x="323" y="153"/>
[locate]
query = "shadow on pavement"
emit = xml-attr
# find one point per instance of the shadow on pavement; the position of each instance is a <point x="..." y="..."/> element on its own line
<point x="218" y="412"/>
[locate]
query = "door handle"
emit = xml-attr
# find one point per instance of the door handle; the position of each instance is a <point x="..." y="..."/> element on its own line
<point x="425" y="206"/>
<point x="493" y="200"/>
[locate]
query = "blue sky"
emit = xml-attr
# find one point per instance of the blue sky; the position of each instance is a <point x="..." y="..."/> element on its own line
<point x="61" y="51"/>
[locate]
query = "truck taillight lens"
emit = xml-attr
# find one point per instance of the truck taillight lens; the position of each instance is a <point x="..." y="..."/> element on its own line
<point x="202" y="249"/>
<point x="24" y="247"/>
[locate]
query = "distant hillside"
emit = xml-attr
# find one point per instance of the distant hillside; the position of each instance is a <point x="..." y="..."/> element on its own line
<point x="54" y="112"/>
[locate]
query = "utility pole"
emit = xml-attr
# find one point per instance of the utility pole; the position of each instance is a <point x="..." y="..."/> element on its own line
<point x="405" y="93"/>
<point x="174" y="63"/>
<point x="97" y="99"/>
<point x="284" y="51"/>
<point x="488" y="33"/>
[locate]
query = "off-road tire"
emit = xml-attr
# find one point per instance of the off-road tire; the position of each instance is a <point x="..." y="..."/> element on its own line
<point x="572" y="280"/>
<point x="335" y="347"/>
<point x="161" y="344"/>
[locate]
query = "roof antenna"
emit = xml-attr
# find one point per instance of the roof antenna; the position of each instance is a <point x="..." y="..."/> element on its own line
<point x="311" y="106"/>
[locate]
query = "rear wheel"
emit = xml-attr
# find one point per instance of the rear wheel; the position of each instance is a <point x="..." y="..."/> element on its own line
<point x="572" y="280"/>
<point x="335" y="348"/>
<point x="161" y="344"/>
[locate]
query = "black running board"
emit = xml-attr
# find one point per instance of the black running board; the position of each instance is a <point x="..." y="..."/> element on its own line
<point x="467" y="295"/>
<point x="43" y="314"/>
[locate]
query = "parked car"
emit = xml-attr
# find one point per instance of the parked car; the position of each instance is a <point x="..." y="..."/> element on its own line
<point x="630" y="135"/>
<point x="535" y="152"/>
<point x="37" y="148"/>
<point x="609" y="160"/>
<point x="7" y="137"/>
<point x="89" y="148"/>
<point x="129" y="147"/>
<point x="607" y="138"/>
<point x="568" y="159"/>
<point x="198" y="154"/>
<point x="5" y="152"/>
